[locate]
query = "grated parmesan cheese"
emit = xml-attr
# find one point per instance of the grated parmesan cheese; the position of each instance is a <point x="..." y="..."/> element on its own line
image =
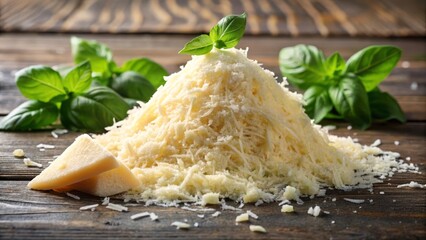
<point x="18" y="153"/>
<point x="117" y="207"/>
<point x="216" y="214"/>
<point x="210" y="198"/>
<point x="89" y="207"/>
<point x="242" y="218"/>
<point x="257" y="228"/>
<point x="30" y="163"/>
<point x="286" y="208"/>
<point x="181" y="225"/>
<point x="140" y="215"/>
<point x="357" y="201"/>
<point x="223" y="125"/>
<point x="314" y="211"/>
<point x="412" y="184"/>
<point x="72" y="196"/>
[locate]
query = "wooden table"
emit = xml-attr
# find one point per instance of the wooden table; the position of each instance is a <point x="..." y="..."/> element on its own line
<point x="398" y="213"/>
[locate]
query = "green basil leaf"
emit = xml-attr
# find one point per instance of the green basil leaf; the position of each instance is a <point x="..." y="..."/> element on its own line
<point x="350" y="100"/>
<point x="94" y="110"/>
<point x="198" y="46"/>
<point x="373" y="64"/>
<point x="30" y="115"/>
<point x="384" y="107"/>
<point x="98" y="54"/>
<point x="78" y="80"/>
<point x="303" y="65"/>
<point x="317" y="103"/>
<point x="133" y="85"/>
<point x="149" y="69"/>
<point x="228" y="31"/>
<point x="335" y="64"/>
<point x="41" y="83"/>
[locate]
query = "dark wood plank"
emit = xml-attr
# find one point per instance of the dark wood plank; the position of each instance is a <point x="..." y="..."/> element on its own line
<point x="271" y="17"/>
<point x="399" y="213"/>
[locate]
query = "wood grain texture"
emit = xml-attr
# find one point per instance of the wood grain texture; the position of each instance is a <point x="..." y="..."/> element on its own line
<point x="266" y="17"/>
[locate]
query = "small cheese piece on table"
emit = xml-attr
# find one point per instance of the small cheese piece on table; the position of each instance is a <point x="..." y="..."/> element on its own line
<point x="108" y="183"/>
<point x="82" y="160"/>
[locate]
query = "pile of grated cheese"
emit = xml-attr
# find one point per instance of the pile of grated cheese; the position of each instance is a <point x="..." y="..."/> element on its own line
<point x="224" y="125"/>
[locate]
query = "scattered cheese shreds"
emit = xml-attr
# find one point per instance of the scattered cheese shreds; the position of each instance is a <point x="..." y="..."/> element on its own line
<point x="73" y="196"/>
<point x="18" y="153"/>
<point x="105" y="201"/>
<point x="47" y="146"/>
<point x="257" y="228"/>
<point x="30" y="163"/>
<point x="196" y="224"/>
<point x="242" y="218"/>
<point x="139" y="215"/>
<point x="153" y="216"/>
<point x="252" y="214"/>
<point x="117" y="207"/>
<point x="89" y="207"/>
<point x="376" y="143"/>
<point x="358" y="201"/>
<point x="314" y="211"/>
<point x="180" y="225"/>
<point x="216" y="214"/>
<point x="287" y="208"/>
<point x="412" y="184"/>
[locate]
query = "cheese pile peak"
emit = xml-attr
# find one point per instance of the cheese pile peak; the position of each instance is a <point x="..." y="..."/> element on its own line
<point x="224" y="125"/>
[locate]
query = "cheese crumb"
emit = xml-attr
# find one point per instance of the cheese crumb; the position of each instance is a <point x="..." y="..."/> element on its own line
<point x="412" y="184"/>
<point x="89" y="207"/>
<point x="252" y="214"/>
<point x="314" y="211"/>
<point x="381" y="193"/>
<point x="117" y="207"/>
<point x="396" y="143"/>
<point x="73" y="196"/>
<point x="216" y="214"/>
<point x="196" y="224"/>
<point x="290" y="193"/>
<point x="181" y="225"/>
<point x="242" y="218"/>
<point x="349" y="127"/>
<point x="210" y="198"/>
<point x="18" y="153"/>
<point x="105" y="201"/>
<point x="257" y="228"/>
<point x="47" y="146"/>
<point x="139" y="215"/>
<point x="414" y="86"/>
<point x="153" y="216"/>
<point x="358" y="201"/>
<point x="376" y="143"/>
<point x="30" y="163"/>
<point x="287" y="208"/>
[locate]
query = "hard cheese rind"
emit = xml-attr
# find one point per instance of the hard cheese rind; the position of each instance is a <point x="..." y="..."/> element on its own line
<point x="82" y="160"/>
<point x="108" y="183"/>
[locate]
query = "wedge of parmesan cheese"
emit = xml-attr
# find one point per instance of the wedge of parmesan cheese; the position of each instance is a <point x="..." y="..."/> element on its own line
<point x="80" y="161"/>
<point x="108" y="183"/>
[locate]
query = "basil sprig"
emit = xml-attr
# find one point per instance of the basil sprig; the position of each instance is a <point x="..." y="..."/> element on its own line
<point x="225" y="34"/>
<point x="336" y="89"/>
<point x="87" y="97"/>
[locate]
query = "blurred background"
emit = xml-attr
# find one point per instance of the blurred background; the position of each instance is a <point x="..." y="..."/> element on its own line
<point x="38" y="32"/>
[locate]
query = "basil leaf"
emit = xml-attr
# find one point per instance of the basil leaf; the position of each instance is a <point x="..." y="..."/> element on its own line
<point x="228" y="31"/>
<point x="94" y="110"/>
<point x="198" y="46"/>
<point x="350" y="100"/>
<point x="303" y="65"/>
<point x="98" y="54"/>
<point x="30" y="115"/>
<point x="133" y="85"/>
<point x="40" y="83"/>
<point x="335" y="64"/>
<point x="149" y="69"/>
<point x="317" y="103"/>
<point x="384" y="107"/>
<point x="78" y="80"/>
<point x="373" y="64"/>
